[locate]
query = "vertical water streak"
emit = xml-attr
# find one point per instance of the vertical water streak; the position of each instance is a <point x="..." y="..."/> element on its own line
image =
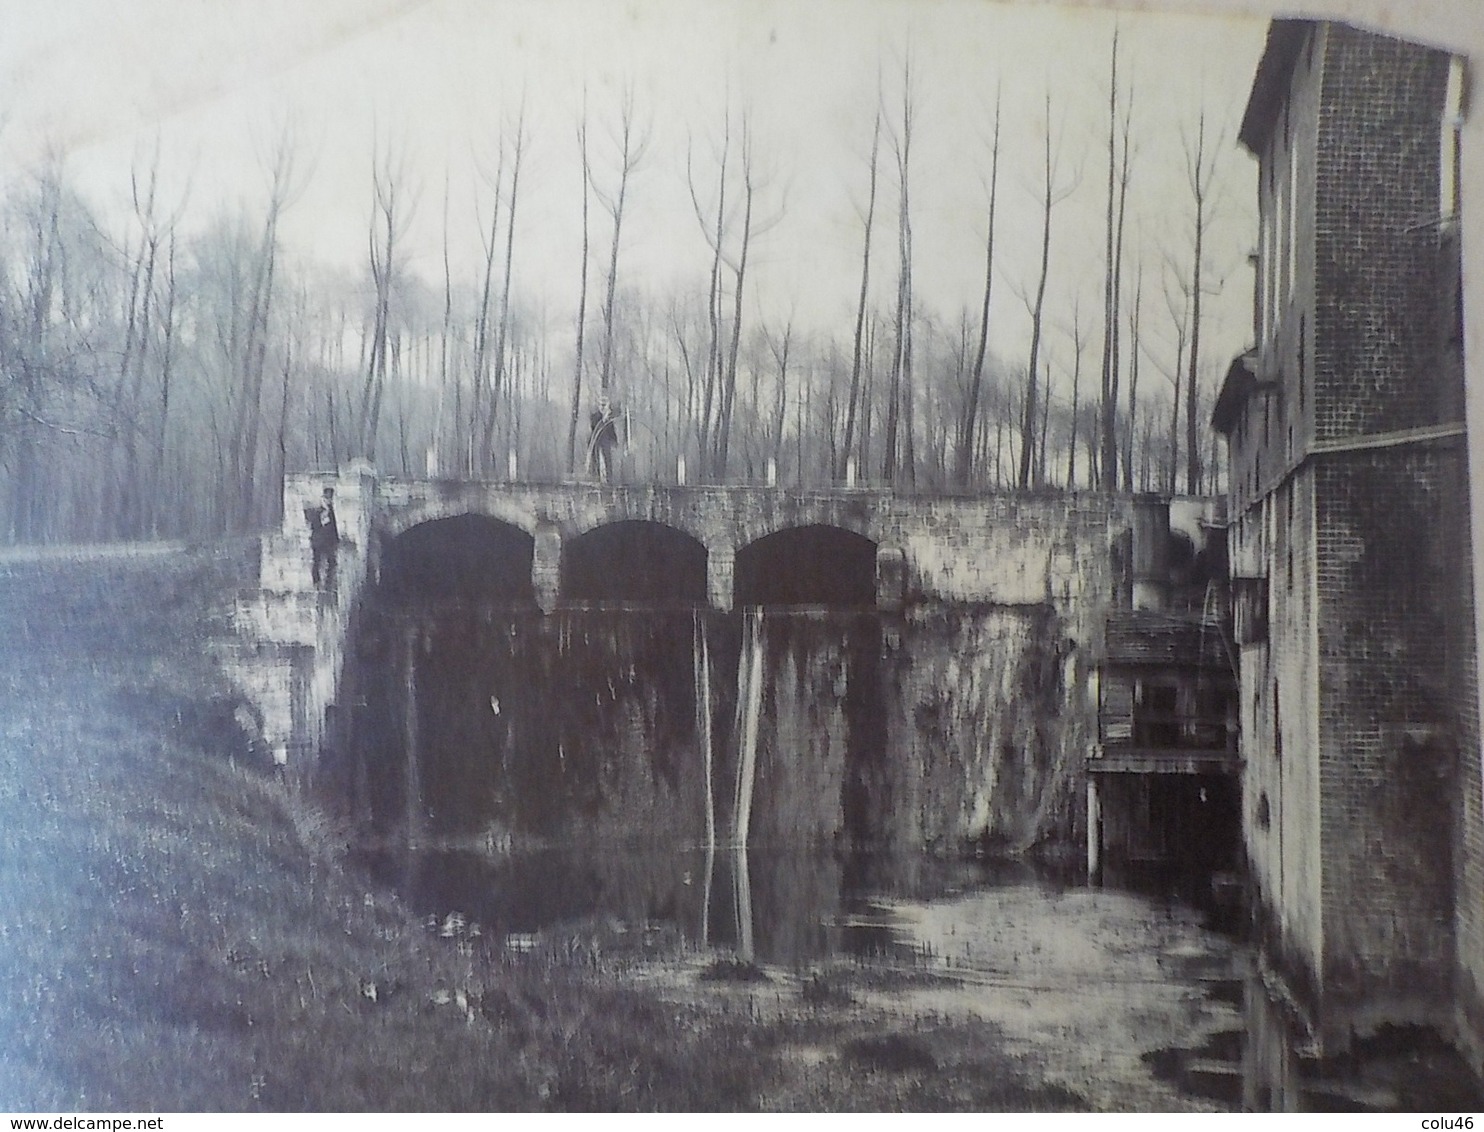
<point x="703" y="723"/>
<point x="749" y="711"/>
<point x="703" y="733"/>
<point x="742" y="886"/>
<point x="411" y="740"/>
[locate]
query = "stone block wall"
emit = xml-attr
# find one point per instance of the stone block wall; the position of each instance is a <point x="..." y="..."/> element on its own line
<point x="289" y="633"/>
<point x="1033" y="551"/>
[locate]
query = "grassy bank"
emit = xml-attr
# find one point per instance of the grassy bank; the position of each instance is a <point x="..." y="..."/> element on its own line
<point x="177" y="931"/>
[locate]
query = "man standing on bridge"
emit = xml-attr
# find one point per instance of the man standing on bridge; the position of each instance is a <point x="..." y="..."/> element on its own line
<point x="604" y="439"/>
<point x="324" y="540"/>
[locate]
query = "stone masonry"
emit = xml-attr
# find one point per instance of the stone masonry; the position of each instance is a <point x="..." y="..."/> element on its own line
<point x="1052" y="549"/>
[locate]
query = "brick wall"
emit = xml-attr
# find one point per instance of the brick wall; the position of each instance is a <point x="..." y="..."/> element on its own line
<point x="1366" y="855"/>
<point x="1463" y="663"/>
<point x="1376" y="236"/>
<point x="1387" y="758"/>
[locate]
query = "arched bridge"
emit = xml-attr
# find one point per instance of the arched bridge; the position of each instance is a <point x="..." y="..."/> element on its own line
<point x="723" y="545"/>
<point x="1004" y="548"/>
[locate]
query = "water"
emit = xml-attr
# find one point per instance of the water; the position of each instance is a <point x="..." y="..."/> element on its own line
<point x="761" y="786"/>
<point x="1133" y="1001"/>
<point x="777" y="907"/>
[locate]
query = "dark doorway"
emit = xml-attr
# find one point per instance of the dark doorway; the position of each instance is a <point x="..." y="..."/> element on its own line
<point x="466" y="558"/>
<point x="635" y="562"/>
<point x="815" y="565"/>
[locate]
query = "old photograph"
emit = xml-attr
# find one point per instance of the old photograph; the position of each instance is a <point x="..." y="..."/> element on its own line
<point x="739" y="556"/>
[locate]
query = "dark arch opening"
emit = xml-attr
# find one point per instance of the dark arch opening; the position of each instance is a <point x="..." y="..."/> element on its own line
<point x="815" y="565"/>
<point x="466" y="558"/>
<point x="634" y="561"/>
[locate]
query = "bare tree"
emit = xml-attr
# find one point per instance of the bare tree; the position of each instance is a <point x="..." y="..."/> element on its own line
<point x="483" y="410"/>
<point x="853" y="402"/>
<point x="587" y="174"/>
<point x="1117" y="199"/>
<point x="631" y="142"/>
<point x="1051" y="196"/>
<point x="1199" y="170"/>
<point x="391" y="214"/>
<point x="497" y="381"/>
<point x="965" y="467"/>
<point x="780" y="349"/>
<point x="1177" y="304"/>
<point x="249" y="358"/>
<point x="1078" y="343"/>
<point x="713" y="228"/>
<point x="752" y="227"/>
<point x="899" y="455"/>
<point x="1133" y="384"/>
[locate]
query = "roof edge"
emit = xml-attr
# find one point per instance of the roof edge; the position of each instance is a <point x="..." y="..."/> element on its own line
<point x="1285" y="41"/>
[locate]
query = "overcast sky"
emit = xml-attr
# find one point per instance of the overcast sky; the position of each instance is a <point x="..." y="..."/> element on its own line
<point x="211" y="84"/>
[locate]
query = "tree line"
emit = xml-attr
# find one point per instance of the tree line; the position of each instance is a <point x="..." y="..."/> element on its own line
<point x="157" y="380"/>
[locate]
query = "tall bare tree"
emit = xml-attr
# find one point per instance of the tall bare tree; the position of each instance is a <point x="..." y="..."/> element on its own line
<point x="899" y="456"/>
<point x="1117" y="200"/>
<point x="632" y="142"/>
<point x="965" y="464"/>
<point x="1052" y="194"/>
<point x="249" y="356"/>
<point x="853" y="400"/>
<point x="1133" y="384"/>
<point x="576" y="412"/>
<point x="1200" y="169"/>
<point x="391" y="214"/>
<point x="502" y="330"/>
<point x="1078" y="342"/>
<point x="713" y="222"/>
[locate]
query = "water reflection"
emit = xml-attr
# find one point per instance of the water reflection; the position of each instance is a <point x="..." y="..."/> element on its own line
<point x="780" y="907"/>
<point x="1093" y="973"/>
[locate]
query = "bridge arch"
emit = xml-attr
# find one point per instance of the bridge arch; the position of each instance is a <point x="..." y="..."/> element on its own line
<point x="812" y="564"/>
<point x="396" y="521"/>
<point x="688" y="521"/>
<point x="466" y="557"/>
<point x="634" y="560"/>
<point x="808" y="512"/>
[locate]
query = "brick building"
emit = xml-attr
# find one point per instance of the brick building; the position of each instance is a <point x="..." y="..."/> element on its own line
<point x="1349" y="541"/>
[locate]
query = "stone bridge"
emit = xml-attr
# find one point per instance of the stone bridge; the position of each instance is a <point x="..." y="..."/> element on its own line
<point x="1003" y="549"/>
